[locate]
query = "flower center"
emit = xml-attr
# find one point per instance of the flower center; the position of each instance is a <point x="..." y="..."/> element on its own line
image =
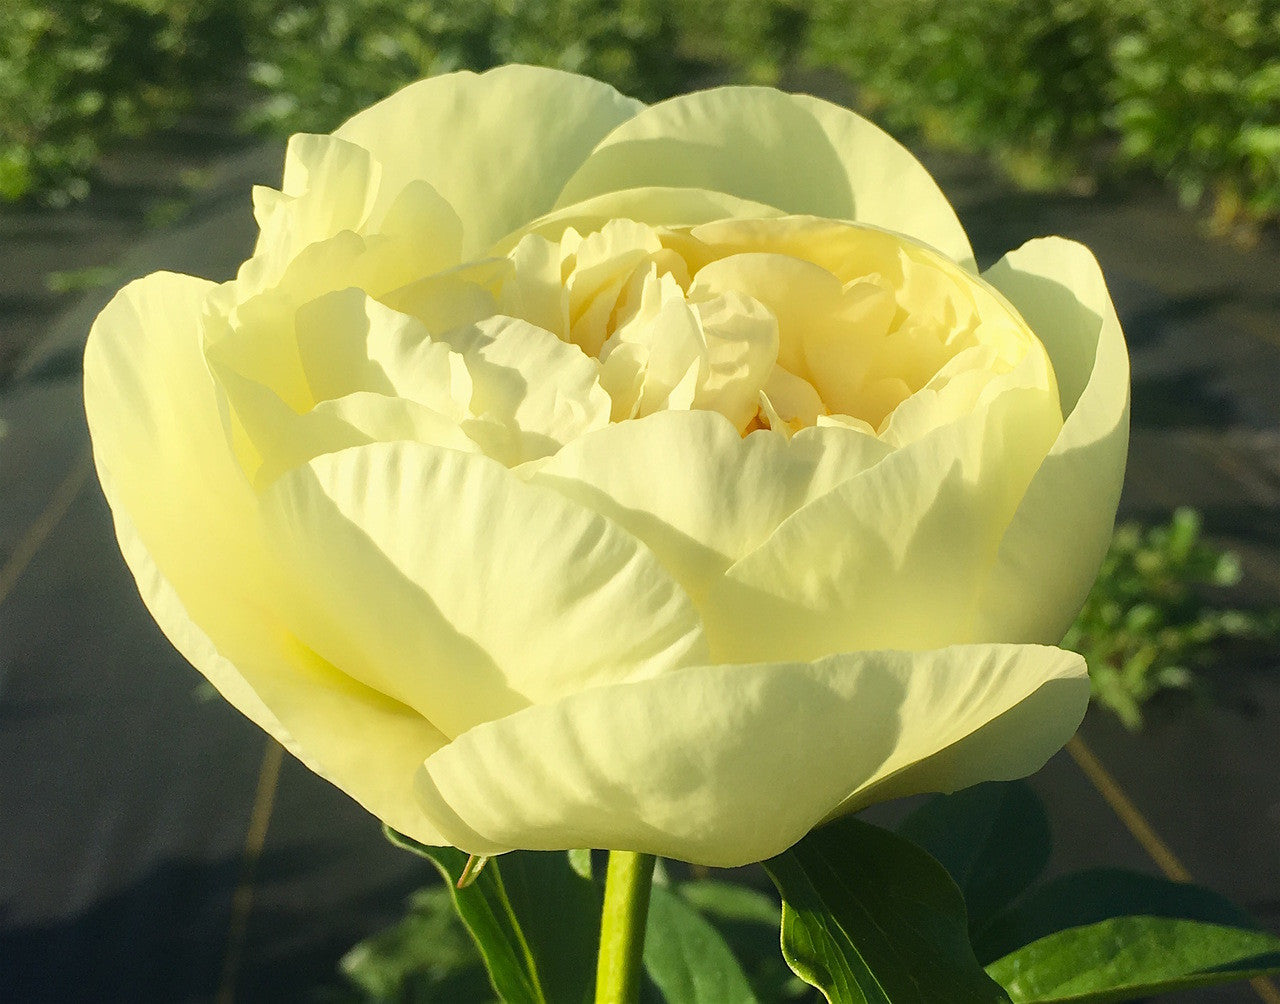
<point x="780" y="324"/>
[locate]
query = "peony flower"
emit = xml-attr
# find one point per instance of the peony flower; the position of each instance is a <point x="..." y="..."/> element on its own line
<point x="566" y="472"/>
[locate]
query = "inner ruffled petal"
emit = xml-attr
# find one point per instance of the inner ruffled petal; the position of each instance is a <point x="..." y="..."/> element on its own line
<point x="776" y="323"/>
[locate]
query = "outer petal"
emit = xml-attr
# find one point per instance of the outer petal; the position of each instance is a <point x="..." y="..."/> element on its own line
<point x="1061" y="530"/>
<point x="330" y="186"/>
<point x="792" y="151"/>
<point x="270" y="438"/>
<point x="165" y="466"/>
<point x="257" y="336"/>
<point x="696" y="492"/>
<point x="723" y="765"/>
<point x="443" y="580"/>
<point x="178" y="496"/>
<point x="498" y="146"/>
<point x="891" y="558"/>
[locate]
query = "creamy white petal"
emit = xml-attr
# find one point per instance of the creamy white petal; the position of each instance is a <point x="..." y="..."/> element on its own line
<point x="486" y="142"/>
<point x="655" y="205"/>
<point x="444" y="581"/>
<point x="695" y="491"/>
<point x="724" y="765"/>
<point x="531" y="392"/>
<point x="177" y="496"/>
<point x="893" y="557"/>
<point x="328" y="187"/>
<point x="1062" y="528"/>
<point x="796" y="152"/>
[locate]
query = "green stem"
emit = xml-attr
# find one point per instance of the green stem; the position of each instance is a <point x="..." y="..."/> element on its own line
<point x="626" y="908"/>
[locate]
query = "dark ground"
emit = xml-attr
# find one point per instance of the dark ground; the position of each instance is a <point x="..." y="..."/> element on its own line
<point x="153" y="853"/>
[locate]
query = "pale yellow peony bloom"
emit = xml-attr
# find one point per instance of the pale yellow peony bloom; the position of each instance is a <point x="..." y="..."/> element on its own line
<point x="565" y="472"/>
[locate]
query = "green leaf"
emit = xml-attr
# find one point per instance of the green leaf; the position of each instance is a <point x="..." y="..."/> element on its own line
<point x="1111" y="934"/>
<point x="559" y="911"/>
<point x="1130" y="957"/>
<point x="426" y="949"/>
<point x="1099" y="894"/>
<point x="869" y="917"/>
<point x="727" y="903"/>
<point x="747" y="919"/>
<point x="686" y="957"/>
<point x="993" y="839"/>
<point x="535" y="921"/>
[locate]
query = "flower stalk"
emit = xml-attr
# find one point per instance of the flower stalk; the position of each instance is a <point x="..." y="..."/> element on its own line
<point x="626" y="908"/>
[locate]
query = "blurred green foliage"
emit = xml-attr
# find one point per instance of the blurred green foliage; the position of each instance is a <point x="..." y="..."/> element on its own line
<point x="317" y="62"/>
<point x="1197" y="99"/>
<point x="428" y="955"/>
<point x="1059" y="91"/>
<point x="76" y="77"/>
<point x="748" y="41"/>
<point x="1150" y="621"/>
<point x="1063" y="90"/>
<point x="1024" y="80"/>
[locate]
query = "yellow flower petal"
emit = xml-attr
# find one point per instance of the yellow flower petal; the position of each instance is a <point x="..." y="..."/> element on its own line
<point x="1062" y="528"/>
<point x="724" y="765"/>
<point x="893" y="557"/>
<point x="167" y="470"/>
<point x="657" y="206"/>
<point x="454" y="297"/>
<point x="696" y="492"/>
<point x="431" y="575"/>
<point x="486" y="142"/>
<point x="328" y="187"/>
<point x="349" y="342"/>
<point x="792" y="151"/>
<point x="178" y="497"/>
<point x="331" y="186"/>
<point x="531" y="392"/>
<point x="742" y="347"/>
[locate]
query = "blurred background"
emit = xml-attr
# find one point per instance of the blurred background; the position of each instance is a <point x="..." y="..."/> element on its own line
<point x="157" y="848"/>
<point x="1061" y="92"/>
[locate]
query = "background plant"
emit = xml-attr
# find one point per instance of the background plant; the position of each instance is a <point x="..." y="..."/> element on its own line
<point x="1026" y="81"/>
<point x="755" y="41"/>
<point x="316" y="63"/>
<point x="961" y="882"/>
<point x="1150" y="622"/>
<point x="1059" y="92"/>
<point x="76" y="78"/>
<point x="1197" y="100"/>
